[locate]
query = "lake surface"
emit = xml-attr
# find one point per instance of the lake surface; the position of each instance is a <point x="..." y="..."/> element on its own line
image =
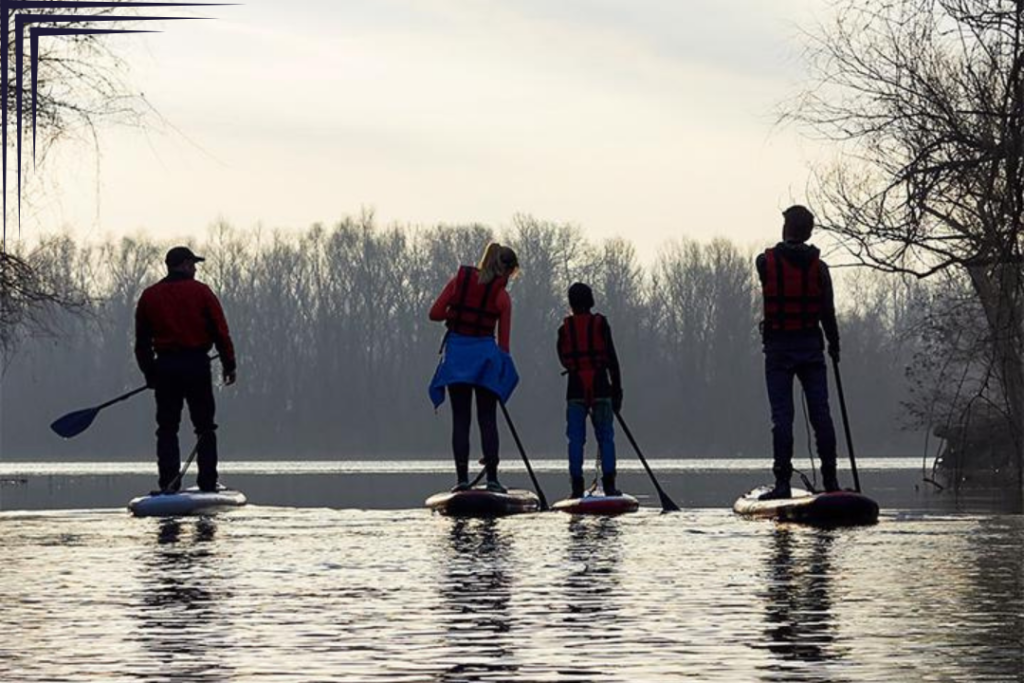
<point x="334" y="593"/>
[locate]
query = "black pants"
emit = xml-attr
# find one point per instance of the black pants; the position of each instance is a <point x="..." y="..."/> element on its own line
<point x="461" y="396"/>
<point x="180" y="378"/>
<point x="808" y="365"/>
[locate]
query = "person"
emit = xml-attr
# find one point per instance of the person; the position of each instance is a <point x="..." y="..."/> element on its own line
<point x="798" y="308"/>
<point x="472" y="306"/>
<point x="177" y="321"/>
<point x="594" y="386"/>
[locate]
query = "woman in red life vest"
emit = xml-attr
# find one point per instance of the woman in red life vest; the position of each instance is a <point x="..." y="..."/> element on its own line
<point x="473" y="305"/>
<point x="586" y="351"/>
<point x="798" y="308"/>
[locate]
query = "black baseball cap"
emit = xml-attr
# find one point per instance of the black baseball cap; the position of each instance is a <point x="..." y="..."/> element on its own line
<point x="178" y="255"/>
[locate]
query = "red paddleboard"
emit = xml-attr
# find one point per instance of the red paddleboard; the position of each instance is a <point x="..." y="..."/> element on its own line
<point x="598" y="505"/>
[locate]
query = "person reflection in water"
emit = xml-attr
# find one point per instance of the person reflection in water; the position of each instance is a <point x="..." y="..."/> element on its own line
<point x="798" y="605"/>
<point x="593" y="583"/>
<point x="476" y="589"/>
<point x="182" y="585"/>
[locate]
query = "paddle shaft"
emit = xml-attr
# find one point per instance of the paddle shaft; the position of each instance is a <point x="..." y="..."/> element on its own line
<point x="181" y="475"/>
<point x="667" y="504"/>
<point x="526" y="461"/>
<point x="123" y="397"/>
<point x="846" y="424"/>
<point x="131" y="393"/>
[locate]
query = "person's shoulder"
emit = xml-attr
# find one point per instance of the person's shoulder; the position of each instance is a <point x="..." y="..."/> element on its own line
<point x="152" y="290"/>
<point x="200" y="285"/>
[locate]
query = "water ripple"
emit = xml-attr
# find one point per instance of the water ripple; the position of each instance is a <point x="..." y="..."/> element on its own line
<point x="279" y="594"/>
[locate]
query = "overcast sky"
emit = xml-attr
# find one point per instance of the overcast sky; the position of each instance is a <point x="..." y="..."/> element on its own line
<point x="649" y="119"/>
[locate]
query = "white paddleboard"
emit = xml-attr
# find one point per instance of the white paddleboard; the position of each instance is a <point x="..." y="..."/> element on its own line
<point x="190" y="501"/>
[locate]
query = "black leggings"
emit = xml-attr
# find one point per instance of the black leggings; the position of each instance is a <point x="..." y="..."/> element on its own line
<point x="486" y="415"/>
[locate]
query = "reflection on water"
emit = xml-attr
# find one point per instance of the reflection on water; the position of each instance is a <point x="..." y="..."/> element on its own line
<point x="800" y="626"/>
<point x="180" y="588"/>
<point x="275" y="594"/>
<point x="476" y="588"/>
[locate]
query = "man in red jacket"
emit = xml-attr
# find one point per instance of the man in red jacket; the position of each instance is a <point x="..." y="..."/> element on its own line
<point x="177" y="321"/>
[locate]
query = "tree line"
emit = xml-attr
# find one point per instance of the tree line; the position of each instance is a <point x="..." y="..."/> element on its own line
<point x="335" y="349"/>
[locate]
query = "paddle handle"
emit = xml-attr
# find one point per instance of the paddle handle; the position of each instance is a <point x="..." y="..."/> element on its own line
<point x="846" y="424"/>
<point x="526" y="461"/>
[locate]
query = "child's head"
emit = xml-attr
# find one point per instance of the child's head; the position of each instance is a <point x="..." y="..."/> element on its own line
<point x="798" y="224"/>
<point x="581" y="298"/>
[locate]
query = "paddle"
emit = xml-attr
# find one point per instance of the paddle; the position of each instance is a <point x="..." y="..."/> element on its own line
<point x="177" y="480"/>
<point x="667" y="504"/>
<point x="846" y="424"/>
<point x="77" y="422"/>
<point x="526" y="461"/>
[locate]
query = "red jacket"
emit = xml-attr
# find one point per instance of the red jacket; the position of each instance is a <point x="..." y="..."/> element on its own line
<point x="445" y="308"/>
<point x="180" y="314"/>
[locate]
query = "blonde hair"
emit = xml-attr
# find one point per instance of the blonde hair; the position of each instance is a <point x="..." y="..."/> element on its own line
<point x="497" y="261"/>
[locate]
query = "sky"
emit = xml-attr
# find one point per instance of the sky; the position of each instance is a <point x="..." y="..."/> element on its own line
<point x="645" y="119"/>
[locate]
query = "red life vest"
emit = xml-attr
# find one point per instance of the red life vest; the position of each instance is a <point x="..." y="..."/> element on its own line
<point x="474" y="310"/>
<point x="792" y="294"/>
<point x="583" y="350"/>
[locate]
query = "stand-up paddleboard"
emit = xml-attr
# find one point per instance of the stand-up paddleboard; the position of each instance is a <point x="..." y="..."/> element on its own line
<point x="479" y="502"/>
<point x="840" y="508"/>
<point x="191" y="501"/>
<point x="598" y="505"/>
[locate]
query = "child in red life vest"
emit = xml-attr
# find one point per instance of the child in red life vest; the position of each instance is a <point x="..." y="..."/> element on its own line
<point x="799" y="316"/>
<point x="474" y="305"/>
<point x="586" y="351"/>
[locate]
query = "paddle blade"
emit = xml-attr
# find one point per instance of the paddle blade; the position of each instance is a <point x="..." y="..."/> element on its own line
<point x="74" y="423"/>
<point x="667" y="504"/>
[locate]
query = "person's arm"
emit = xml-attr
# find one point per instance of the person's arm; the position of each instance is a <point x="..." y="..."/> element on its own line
<point x="613" y="368"/>
<point x="439" y="311"/>
<point x="760" y="263"/>
<point x="559" y="341"/>
<point x="144" y="355"/>
<point x="828" y="313"/>
<point x="222" y="337"/>
<point x="504" y="321"/>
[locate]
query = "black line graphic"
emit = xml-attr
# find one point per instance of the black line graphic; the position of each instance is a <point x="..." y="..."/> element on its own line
<point x="7" y="9"/>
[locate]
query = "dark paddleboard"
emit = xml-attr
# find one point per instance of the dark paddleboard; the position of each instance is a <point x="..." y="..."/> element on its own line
<point x="479" y="502"/>
<point x="840" y="508"/>
<point x="191" y="501"/>
<point x="598" y="505"/>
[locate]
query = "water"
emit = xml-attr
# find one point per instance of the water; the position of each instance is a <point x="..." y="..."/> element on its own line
<point x="338" y="594"/>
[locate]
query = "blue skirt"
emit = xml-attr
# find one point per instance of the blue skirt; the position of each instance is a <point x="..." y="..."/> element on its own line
<point x="477" y="361"/>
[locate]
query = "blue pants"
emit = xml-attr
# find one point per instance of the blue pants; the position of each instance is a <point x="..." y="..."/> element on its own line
<point x="780" y="366"/>
<point x="602" y="417"/>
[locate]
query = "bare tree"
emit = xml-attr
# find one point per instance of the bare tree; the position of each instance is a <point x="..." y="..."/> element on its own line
<point x="79" y="82"/>
<point x="926" y="101"/>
